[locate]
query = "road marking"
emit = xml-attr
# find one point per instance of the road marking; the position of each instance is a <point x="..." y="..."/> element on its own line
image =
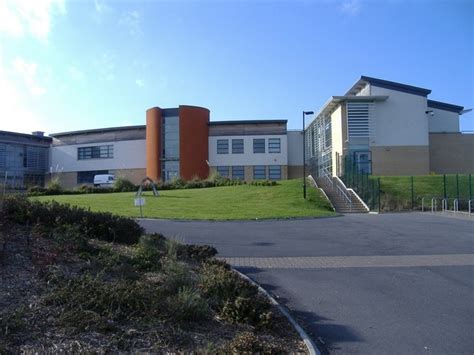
<point x="330" y="262"/>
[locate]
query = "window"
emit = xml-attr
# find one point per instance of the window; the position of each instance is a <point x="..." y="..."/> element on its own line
<point x="95" y="152"/>
<point x="87" y="177"/>
<point x="237" y="146"/>
<point x="238" y="173"/>
<point x="274" y="145"/>
<point x="259" y="145"/>
<point x="223" y="171"/>
<point x="222" y="146"/>
<point x="274" y="172"/>
<point x="259" y="172"/>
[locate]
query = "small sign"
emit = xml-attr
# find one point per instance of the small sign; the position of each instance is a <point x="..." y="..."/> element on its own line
<point x="140" y="201"/>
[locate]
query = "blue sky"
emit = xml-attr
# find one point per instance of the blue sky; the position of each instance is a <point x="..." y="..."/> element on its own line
<point x="67" y="65"/>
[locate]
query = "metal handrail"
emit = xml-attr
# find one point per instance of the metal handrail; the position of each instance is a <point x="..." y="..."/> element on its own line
<point x="434" y="205"/>
<point x="339" y="189"/>
<point x="456" y="206"/>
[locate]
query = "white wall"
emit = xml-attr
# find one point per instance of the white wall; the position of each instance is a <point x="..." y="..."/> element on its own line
<point x="127" y="155"/>
<point x="443" y="121"/>
<point x="295" y="148"/>
<point x="400" y="120"/>
<point x="336" y="136"/>
<point x="248" y="158"/>
<point x="365" y="91"/>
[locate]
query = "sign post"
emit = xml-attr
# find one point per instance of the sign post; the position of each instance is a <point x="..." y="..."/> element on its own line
<point x="140" y="201"/>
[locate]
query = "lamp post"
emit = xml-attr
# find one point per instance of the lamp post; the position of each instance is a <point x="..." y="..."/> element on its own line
<point x="304" y="153"/>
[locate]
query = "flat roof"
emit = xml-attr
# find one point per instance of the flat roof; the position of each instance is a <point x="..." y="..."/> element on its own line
<point x="233" y="122"/>
<point x="445" y="106"/>
<point x="97" y="130"/>
<point x="26" y="135"/>
<point x="392" y="85"/>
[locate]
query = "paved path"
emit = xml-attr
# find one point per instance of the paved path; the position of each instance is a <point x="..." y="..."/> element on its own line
<point x="372" y="284"/>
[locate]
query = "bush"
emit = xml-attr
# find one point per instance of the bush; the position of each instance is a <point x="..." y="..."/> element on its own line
<point x="149" y="252"/>
<point x="124" y="185"/>
<point x="263" y="183"/>
<point x="177" y="275"/>
<point x="188" y="305"/>
<point x="235" y="299"/>
<point x="98" y="225"/>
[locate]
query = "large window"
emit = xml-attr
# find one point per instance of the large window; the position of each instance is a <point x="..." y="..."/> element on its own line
<point x="259" y="145"/>
<point x="259" y="172"/>
<point x="95" y="152"/>
<point x="237" y="146"/>
<point x="87" y="177"/>
<point x="223" y="171"/>
<point x="274" y="172"/>
<point x="222" y="146"/>
<point x="274" y="145"/>
<point x="238" y="173"/>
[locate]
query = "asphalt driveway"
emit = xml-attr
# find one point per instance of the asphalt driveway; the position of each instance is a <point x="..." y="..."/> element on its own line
<point x="372" y="284"/>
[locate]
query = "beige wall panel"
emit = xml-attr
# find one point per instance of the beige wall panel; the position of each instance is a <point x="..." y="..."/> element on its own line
<point x="295" y="171"/>
<point x="396" y="160"/>
<point x="452" y="153"/>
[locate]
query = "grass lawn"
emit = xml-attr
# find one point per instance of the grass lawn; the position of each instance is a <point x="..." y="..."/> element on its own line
<point x="396" y="191"/>
<point x="427" y="186"/>
<point x="218" y="203"/>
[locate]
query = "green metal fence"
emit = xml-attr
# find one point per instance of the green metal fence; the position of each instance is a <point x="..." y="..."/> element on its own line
<point x="405" y="193"/>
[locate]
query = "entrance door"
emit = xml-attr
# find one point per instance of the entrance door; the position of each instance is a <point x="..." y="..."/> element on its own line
<point x="363" y="162"/>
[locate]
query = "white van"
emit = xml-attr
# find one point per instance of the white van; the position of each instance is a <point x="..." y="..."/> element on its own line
<point x="105" y="180"/>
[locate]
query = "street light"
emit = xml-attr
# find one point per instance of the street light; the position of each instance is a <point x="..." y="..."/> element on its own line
<point x="304" y="153"/>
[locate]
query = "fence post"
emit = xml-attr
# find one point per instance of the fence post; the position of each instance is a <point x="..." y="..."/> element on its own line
<point x="378" y="180"/>
<point x="444" y="184"/>
<point x="373" y="194"/>
<point x="470" y="188"/>
<point x="412" y="195"/>
<point x="457" y="186"/>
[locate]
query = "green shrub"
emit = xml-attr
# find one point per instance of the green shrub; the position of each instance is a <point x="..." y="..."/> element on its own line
<point x="124" y="185"/>
<point x="188" y="305"/>
<point x="263" y="182"/>
<point x="177" y="275"/>
<point x="98" y="225"/>
<point x="150" y="250"/>
<point x="197" y="252"/>
<point x="235" y="299"/>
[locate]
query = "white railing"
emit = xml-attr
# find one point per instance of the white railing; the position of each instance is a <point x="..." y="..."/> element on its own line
<point x="339" y="190"/>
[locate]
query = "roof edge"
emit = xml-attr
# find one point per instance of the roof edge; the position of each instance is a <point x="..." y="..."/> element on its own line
<point x="96" y="130"/>
<point x="445" y="106"/>
<point x="410" y="89"/>
<point x="212" y="123"/>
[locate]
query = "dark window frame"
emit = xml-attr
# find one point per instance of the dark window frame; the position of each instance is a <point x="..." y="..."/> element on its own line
<point x="238" y="172"/>
<point x="238" y="146"/>
<point x="259" y="145"/>
<point x="274" y="145"/>
<point x="105" y="151"/>
<point x="272" y="175"/>
<point x="257" y="172"/>
<point x="222" y="146"/>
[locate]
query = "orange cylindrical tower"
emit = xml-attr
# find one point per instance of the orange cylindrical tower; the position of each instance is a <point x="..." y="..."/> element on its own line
<point x="193" y="142"/>
<point x="153" y="143"/>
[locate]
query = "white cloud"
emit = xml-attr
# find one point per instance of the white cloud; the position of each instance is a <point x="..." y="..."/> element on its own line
<point x="27" y="71"/>
<point x="99" y="6"/>
<point x="140" y="83"/>
<point x="16" y="113"/>
<point x="75" y="73"/>
<point x="19" y="18"/>
<point x="131" y="20"/>
<point x="350" y="7"/>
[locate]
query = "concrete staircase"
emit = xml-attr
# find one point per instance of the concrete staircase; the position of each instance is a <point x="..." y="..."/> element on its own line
<point x="340" y="199"/>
